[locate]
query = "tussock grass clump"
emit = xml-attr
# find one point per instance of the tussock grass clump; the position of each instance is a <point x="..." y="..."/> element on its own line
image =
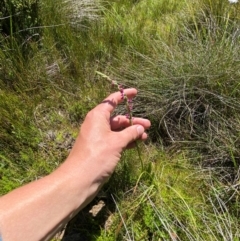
<point x="80" y="10"/>
<point x="190" y="85"/>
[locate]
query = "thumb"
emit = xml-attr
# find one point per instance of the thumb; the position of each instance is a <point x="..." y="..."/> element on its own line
<point x="130" y="134"/>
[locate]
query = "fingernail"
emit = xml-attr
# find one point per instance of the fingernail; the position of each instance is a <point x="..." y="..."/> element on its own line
<point x="140" y="130"/>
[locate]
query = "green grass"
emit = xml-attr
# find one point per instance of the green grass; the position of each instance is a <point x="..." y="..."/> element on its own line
<point x="190" y="81"/>
<point x="183" y="58"/>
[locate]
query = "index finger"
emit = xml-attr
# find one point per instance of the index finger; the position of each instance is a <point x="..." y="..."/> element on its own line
<point x="110" y="103"/>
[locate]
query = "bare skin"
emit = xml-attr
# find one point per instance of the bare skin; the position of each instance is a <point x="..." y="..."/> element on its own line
<point x="39" y="209"/>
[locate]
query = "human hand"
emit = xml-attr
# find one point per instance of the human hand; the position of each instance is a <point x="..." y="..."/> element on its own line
<point x="56" y="198"/>
<point x="102" y="138"/>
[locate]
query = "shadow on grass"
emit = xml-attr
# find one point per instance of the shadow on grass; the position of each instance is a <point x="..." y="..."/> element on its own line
<point x="89" y="222"/>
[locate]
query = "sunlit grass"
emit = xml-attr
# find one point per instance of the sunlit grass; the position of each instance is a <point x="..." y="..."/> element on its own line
<point x="182" y="56"/>
<point x="180" y="203"/>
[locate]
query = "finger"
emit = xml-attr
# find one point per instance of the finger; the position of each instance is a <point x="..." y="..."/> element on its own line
<point x="110" y="103"/>
<point x="130" y="134"/>
<point x="134" y="144"/>
<point x="119" y="122"/>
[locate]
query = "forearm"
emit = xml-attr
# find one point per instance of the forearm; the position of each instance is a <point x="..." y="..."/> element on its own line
<point x="37" y="210"/>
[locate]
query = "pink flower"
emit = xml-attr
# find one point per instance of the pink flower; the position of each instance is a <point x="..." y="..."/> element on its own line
<point x="121" y="91"/>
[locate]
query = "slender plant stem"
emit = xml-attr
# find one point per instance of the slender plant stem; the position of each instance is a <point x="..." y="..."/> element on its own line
<point x="128" y="107"/>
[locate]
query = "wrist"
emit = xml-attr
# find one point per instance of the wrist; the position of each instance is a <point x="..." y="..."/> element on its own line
<point x="78" y="181"/>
